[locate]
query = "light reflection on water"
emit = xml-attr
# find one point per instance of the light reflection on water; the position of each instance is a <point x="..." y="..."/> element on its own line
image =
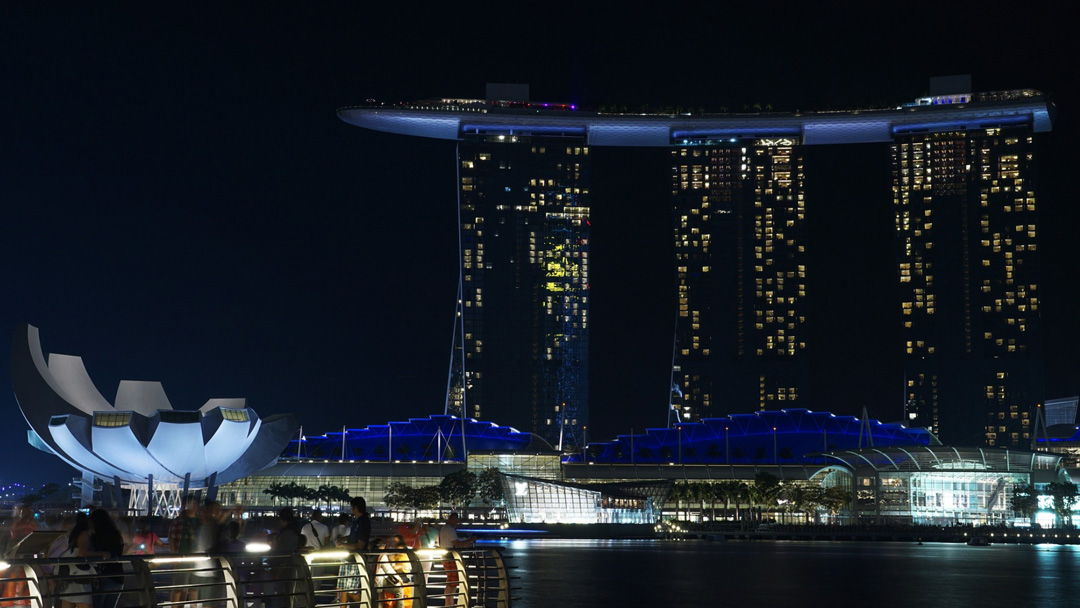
<point x="784" y="573"/>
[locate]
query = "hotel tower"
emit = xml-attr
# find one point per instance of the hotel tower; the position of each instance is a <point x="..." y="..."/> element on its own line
<point x="967" y="246"/>
<point x="740" y="256"/>
<point x="963" y="192"/>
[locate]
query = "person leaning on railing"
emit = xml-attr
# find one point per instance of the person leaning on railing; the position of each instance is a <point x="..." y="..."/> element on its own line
<point x="399" y="560"/>
<point x="388" y="585"/>
<point x="358" y="540"/>
<point x="449" y="539"/>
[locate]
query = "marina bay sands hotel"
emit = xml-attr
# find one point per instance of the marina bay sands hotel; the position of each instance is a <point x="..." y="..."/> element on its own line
<point x="965" y="201"/>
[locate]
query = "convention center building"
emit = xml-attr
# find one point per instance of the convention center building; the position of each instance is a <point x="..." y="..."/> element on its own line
<point x="893" y="473"/>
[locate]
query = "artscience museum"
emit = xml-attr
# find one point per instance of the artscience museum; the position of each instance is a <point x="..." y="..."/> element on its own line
<point x="137" y="452"/>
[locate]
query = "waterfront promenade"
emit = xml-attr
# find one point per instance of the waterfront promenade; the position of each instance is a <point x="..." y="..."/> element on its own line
<point x="391" y="579"/>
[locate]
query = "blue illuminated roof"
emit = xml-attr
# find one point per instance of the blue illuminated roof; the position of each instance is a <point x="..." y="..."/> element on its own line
<point x="811" y="128"/>
<point x="437" y="438"/>
<point x="793" y="436"/>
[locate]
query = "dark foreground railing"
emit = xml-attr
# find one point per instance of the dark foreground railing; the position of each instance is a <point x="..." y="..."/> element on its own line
<point x="464" y="578"/>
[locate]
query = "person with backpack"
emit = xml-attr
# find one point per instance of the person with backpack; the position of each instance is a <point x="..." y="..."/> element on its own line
<point x="316" y="532"/>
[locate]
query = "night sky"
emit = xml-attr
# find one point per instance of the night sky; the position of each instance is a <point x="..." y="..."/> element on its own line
<point x="179" y="201"/>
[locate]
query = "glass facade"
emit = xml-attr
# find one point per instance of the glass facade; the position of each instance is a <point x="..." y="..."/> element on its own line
<point x="948" y="498"/>
<point x="249" y="491"/>
<point x="940" y="485"/>
<point x="533" y="501"/>
<point x="740" y="252"/>
<point x="540" y="466"/>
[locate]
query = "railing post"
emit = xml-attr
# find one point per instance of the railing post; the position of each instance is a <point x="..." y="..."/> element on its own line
<point x="459" y="590"/>
<point x="144" y="581"/>
<point x="36" y="586"/>
<point x="474" y="577"/>
<point x="232" y="582"/>
<point x="419" y="579"/>
<point x="303" y="576"/>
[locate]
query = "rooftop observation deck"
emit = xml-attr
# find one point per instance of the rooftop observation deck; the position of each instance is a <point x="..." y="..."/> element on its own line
<point x="453" y="119"/>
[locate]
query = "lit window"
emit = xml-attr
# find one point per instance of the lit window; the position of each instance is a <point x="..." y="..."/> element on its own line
<point x="112" y="419"/>
<point x="234" y="415"/>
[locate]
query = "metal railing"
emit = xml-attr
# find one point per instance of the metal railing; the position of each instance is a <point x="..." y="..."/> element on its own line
<point x="464" y="578"/>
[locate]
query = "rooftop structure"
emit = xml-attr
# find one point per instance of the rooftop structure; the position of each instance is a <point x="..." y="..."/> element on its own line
<point x="437" y="438"/>
<point x="454" y="118"/>
<point x="792" y="436"/>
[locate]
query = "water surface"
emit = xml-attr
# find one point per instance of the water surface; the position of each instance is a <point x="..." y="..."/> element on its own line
<point x="790" y="573"/>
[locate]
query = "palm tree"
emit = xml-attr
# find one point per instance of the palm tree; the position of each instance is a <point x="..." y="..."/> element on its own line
<point x="684" y="492"/>
<point x="726" y="491"/>
<point x="678" y="491"/>
<point x="740" y="494"/>
<point x="275" y="491"/>
<point x="765" y="490"/>
<point x="713" y="492"/>
<point x="695" y="491"/>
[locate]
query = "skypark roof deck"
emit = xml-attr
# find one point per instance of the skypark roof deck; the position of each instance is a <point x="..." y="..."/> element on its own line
<point x="456" y="119"/>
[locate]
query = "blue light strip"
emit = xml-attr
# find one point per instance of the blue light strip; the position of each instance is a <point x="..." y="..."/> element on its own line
<point x="752" y="133"/>
<point x="987" y="122"/>
<point x="496" y="129"/>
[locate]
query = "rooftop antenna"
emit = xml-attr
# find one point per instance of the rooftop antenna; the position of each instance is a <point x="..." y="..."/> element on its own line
<point x="464" y="446"/>
<point x="459" y="318"/>
<point x="864" y="425"/>
<point x="453" y="357"/>
<point x="562" y="425"/>
<point x="673" y="408"/>
<point x="1040" y="422"/>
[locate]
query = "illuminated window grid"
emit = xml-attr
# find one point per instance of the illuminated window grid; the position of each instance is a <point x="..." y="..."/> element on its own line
<point x="536" y="501"/>
<point x="249" y="491"/>
<point x="970" y="497"/>
<point x="112" y="419"/>
<point x="540" y="466"/>
<point x="234" y="414"/>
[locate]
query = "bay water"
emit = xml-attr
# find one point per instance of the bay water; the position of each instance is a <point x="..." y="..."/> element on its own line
<point x="762" y="574"/>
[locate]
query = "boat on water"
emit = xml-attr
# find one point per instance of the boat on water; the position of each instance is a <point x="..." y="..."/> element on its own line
<point x="978" y="541"/>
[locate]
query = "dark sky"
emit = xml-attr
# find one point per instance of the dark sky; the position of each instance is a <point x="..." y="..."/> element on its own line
<point x="179" y="202"/>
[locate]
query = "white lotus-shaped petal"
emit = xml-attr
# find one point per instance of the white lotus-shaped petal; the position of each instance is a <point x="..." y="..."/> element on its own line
<point x="141" y="435"/>
<point x="142" y="397"/>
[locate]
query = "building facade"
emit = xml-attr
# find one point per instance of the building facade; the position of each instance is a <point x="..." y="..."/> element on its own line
<point x="963" y="191"/>
<point x="891" y="473"/>
<point x="740" y="253"/>
<point x="966" y="226"/>
<point x="523" y="330"/>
